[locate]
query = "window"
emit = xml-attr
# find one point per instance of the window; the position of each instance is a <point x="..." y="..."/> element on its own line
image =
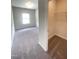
<point x="26" y="18"/>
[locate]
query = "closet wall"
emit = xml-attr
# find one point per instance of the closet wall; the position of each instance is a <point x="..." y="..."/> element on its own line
<point x="51" y="18"/>
<point x="61" y="18"/>
<point x="57" y="18"/>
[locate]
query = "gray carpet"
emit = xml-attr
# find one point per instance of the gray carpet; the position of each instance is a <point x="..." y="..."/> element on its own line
<point x="25" y="45"/>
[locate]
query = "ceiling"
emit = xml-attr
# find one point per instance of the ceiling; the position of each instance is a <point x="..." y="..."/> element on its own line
<point x="21" y="3"/>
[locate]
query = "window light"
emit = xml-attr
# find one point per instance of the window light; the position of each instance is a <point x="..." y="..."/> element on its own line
<point x="26" y="18"/>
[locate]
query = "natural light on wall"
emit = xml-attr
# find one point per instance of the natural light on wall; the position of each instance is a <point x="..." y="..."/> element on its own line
<point x="26" y="18"/>
<point x="29" y="4"/>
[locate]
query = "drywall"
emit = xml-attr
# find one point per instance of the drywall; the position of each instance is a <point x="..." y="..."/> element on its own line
<point x="51" y="18"/>
<point x="61" y="25"/>
<point x="12" y="27"/>
<point x="61" y="6"/>
<point x="61" y="18"/>
<point x="57" y="18"/>
<point x="17" y="13"/>
<point x="37" y="16"/>
<point x="43" y="23"/>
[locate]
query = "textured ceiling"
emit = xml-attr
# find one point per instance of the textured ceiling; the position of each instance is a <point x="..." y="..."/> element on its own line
<point x="21" y="3"/>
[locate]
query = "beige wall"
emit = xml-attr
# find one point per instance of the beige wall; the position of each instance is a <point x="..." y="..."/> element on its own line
<point x="57" y="21"/>
<point x="61" y="25"/>
<point x="61" y="5"/>
<point x="51" y="18"/>
<point x="61" y="18"/>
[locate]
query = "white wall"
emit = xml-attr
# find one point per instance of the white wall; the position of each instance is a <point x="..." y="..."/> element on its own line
<point x="37" y="18"/>
<point x="37" y="15"/>
<point x="43" y="23"/>
<point x="17" y="12"/>
<point x="12" y="27"/>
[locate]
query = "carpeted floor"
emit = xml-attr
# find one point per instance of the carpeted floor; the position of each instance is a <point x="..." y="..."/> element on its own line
<point x="25" y="45"/>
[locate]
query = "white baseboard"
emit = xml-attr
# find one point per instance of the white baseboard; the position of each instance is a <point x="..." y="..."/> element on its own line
<point x="45" y="49"/>
<point x="62" y="36"/>
<point x="50" y="36"/>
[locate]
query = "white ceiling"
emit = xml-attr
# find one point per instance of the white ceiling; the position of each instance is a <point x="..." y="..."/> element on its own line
<point x="21" y="3"/>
